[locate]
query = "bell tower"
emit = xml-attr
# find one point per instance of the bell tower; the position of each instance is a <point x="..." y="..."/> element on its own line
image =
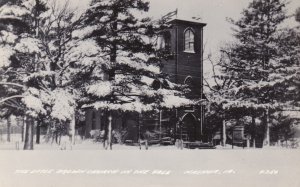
<point x="184" y="40"/>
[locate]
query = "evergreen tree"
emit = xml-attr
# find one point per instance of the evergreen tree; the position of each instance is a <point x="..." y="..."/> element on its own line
<point x="255" y="57"/>
<point x="124" y="72"/>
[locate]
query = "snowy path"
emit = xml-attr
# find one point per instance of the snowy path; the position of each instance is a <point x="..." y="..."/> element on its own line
<point x="152" y="168"/>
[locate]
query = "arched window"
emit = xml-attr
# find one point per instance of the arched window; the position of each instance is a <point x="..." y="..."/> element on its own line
<point x="189" y="41"/>
<point x="188" y="81"/>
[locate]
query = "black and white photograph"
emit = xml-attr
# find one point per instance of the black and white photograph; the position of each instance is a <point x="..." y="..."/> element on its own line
<point x="149" y="93"/>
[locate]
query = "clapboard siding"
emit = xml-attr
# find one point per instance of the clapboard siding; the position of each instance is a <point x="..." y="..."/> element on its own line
<point x="185" y="64"/>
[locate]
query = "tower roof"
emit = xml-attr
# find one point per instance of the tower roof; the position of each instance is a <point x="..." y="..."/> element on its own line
<point x="187" y="21"/>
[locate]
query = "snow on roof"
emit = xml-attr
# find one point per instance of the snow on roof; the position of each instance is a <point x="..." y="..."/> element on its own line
<point x="185" y="19"/>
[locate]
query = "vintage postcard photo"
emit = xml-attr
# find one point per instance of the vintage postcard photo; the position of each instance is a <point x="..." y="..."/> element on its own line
<point x="149" y="93"/>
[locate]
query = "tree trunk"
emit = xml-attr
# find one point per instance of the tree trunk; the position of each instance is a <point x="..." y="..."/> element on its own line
<point x="140" y="125"/>
<point x="224" y="133"/>
<point x="38" y="132"/>
<point x="113" y="57"/>
<point x="248" y="143"/>
<point x="73" y="129"/>
<point x="160" y="125"/>
<point x="23" y="129"/>
<point x="139" y="129"/>
<point x="267" y="140"/>
<point x="29" y="131"/>
<point x="8" y="128"/>
<point x="59" y="138"/>
<point x="56" y="137"/>
<point x="109" y="139"/>
<point x="0" y="135"/>
<point x="267" y="133"/>
<point x="232" y="139"/>
<point x="253" y="134"/>
<point x="105" y="135"/>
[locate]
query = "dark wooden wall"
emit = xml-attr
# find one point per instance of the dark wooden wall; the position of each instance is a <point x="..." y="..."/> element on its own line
<point x="184" y="64"/>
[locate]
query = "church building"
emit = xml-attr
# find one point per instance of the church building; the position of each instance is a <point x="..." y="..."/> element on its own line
<point x="184" y="41"/>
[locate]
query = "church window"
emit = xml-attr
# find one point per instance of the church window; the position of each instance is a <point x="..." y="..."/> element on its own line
<point x="189" y="41"/>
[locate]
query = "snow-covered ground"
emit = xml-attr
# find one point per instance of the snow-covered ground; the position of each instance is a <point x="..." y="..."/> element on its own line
<point x="80" y="144"/>
<point x="152" y="168"/>
<point x="89" y="144"/>
<point x="88" y="164"/>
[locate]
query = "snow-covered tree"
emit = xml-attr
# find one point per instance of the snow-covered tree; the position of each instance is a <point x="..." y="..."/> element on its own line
<point x="35" y="40"/>
<point x="19" y="20"/>
<point x="220" y="109"/>
<point x="263" y="62"/>
<point x="118" y="70"/>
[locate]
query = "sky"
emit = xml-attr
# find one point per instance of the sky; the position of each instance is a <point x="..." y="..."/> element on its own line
<point x="213" y="12"/>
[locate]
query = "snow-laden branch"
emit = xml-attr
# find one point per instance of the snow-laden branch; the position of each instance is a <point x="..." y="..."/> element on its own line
<point x="11" y="104"/>
<point x="12" y="84"/>
<point x="12" y="97"/>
